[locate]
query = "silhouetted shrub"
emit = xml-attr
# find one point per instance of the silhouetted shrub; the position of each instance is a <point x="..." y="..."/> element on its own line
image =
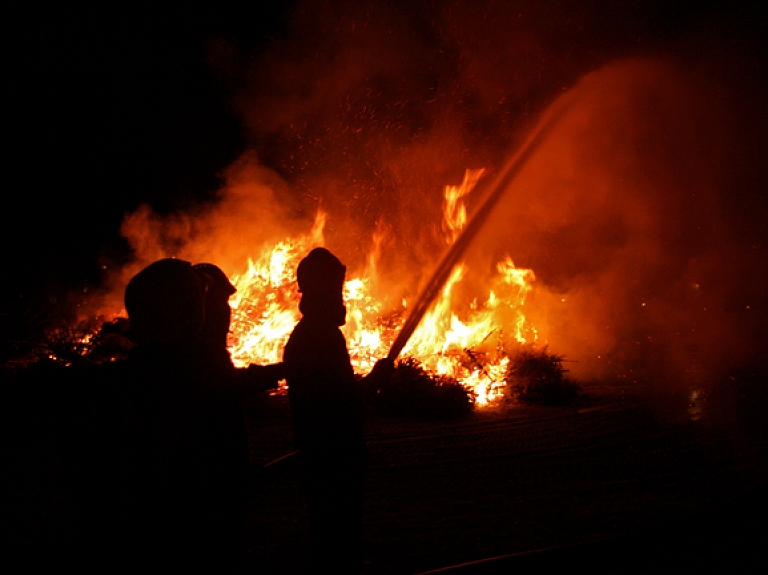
<point x="68" y="345"/>
<point x="537" y="376"/>
<point x="413" y="392"/>
<point x="111" y="342"/>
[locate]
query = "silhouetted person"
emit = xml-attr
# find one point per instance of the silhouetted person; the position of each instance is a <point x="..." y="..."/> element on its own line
<point x="250" y="381"/>
<point x="218" y="315"/>
<point x="185" y="446"/>
<point x="327" y="414"/>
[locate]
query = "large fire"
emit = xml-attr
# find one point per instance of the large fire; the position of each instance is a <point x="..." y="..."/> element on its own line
<point x="470" y="346"/>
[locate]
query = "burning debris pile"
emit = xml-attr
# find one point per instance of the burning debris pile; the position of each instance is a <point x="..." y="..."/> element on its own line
<point x="54" y="339"/>
<point x="461" y="356"/>
<point x="473" y="349"/>
<point x="632" y="242"/>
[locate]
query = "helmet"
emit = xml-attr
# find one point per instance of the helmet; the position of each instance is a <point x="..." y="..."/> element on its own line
<point x="215" y="280"/>
<point x="164" y="302"/>
<point x="218" y="314"/>
<point x="320" y="272"/>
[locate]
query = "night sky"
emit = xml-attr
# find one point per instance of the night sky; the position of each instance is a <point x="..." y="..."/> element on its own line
<point x="112" y="109"/>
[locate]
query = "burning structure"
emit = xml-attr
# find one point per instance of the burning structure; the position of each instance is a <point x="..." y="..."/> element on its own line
<point x="631" y="241"/>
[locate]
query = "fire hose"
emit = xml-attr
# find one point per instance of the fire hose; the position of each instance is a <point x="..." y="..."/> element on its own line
<point x="495" y="190"/>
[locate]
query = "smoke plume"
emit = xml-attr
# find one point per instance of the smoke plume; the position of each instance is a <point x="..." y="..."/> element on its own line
<point x="641" y="214"/>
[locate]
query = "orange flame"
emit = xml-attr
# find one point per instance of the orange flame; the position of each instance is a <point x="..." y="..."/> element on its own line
<point x="470" y="349"/>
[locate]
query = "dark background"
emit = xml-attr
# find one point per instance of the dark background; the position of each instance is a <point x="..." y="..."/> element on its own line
<point x="109" y="109"/>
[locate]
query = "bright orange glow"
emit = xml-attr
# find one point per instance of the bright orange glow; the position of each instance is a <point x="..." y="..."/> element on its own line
<point x="469" y="346"/>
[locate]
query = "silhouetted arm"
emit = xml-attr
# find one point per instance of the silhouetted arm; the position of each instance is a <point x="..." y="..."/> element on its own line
<point x="256" y="379"/>
<point x="379" y="375"/>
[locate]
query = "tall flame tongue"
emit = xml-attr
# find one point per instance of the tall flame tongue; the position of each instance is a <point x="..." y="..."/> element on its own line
<point x="472" y="350"/>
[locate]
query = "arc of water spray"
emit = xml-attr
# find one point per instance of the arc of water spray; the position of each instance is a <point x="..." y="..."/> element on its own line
<point x="495" y="190"/>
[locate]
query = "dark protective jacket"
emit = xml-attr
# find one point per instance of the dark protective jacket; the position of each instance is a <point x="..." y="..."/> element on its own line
<point x="326" y="406"/>
<point x="185" y="458"/>
<point x="326" y="414"/>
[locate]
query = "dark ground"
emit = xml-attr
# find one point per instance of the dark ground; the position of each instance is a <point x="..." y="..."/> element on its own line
<point x="606" y="486"/>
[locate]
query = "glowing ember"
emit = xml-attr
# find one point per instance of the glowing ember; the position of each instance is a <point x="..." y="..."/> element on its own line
<point x="470" y="348"/>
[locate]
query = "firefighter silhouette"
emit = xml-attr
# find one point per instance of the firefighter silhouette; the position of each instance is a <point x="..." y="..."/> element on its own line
<point x="327" y="414"/>
<point x="185" y="469"/>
